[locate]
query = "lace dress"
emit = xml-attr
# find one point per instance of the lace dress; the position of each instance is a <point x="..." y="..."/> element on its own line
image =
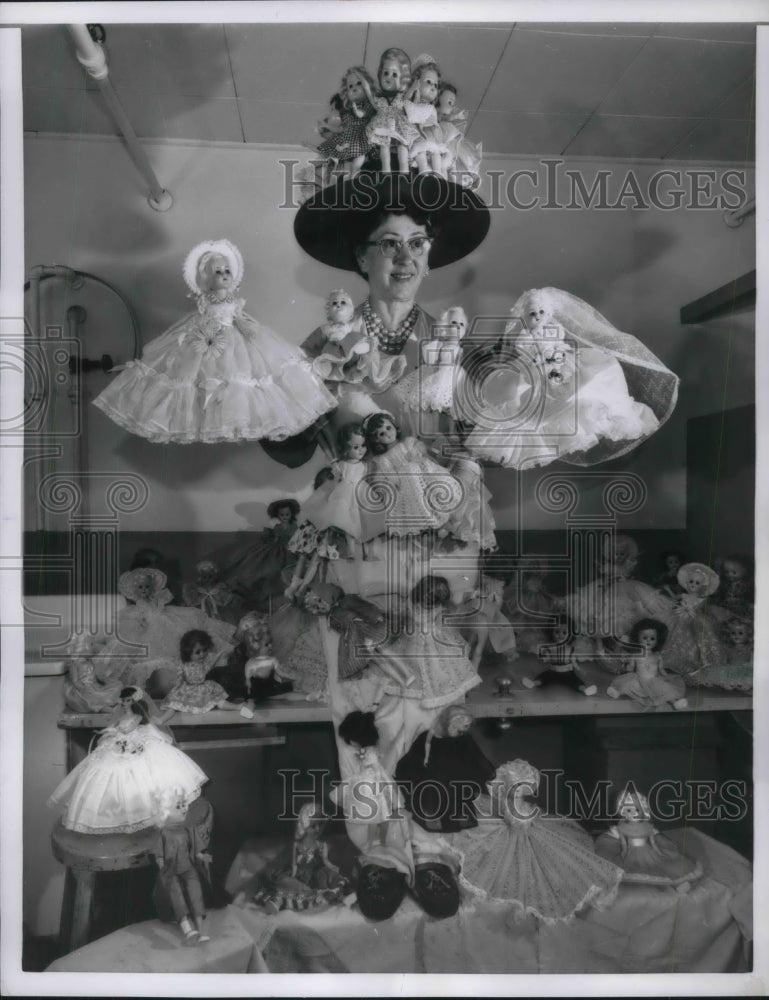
<point x="434" y="384"/>
<point x="217" y="376"/>
<point x="695" y="648"/>
<point x="332" y="519"/>
<point x="115" y="789"/>
<point x="650" y="688"/>
<point x="543" y="867"/>
<point x="390" y="121"/>
<point x="647" y="857"/>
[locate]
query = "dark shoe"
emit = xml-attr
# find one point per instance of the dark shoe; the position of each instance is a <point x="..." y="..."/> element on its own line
<point x="380" y="891"/>
<point x="436" y="889"/>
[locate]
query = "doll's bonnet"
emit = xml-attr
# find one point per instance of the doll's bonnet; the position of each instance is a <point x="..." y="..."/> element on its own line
<point x="199" y="256"/>
<point x="701" y="571"/>
<point x="130" y="582"/>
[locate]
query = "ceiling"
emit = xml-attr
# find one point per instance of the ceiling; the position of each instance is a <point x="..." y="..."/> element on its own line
<point x="669" y="91"/>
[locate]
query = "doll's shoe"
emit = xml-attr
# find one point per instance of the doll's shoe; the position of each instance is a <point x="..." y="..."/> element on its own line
<point x="380" y="891"/>
<point x="436" y="889"/>
<point x="529" y="683"/>
<point x="680" y="703"/>
<point x="590" y="690"/>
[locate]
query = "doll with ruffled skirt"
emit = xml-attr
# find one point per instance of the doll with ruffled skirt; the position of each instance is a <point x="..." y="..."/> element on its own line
<point x="194" y="692"/>
<point x="647" y="682"/>
<point x="217" y="374"/>
<point x="486" y="624"/>
<point x="563" y="390"/>
<point x="115" y="789"/>
<point x="541" y="866"/>
<point x="465" y="156"/>
<point x="428" y="153"/>
<point x="695" y="647"/>
<point x="348" y="145"/>
<point x="390" y="122"/>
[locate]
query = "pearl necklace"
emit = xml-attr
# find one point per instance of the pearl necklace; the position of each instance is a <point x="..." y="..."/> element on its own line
<point x="390" y="341"/>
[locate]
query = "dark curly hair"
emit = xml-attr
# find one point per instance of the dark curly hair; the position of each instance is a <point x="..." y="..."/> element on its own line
<point x="431" y="591"/>
<point x="359" y="727"/>
<point x="660" y="628"/>
<point x="138" y="705"/>
<point x="372" y="425"/>
<point x="275" y="507"/>
<point x="190" y="639"/>
<point x="345" y="434"/>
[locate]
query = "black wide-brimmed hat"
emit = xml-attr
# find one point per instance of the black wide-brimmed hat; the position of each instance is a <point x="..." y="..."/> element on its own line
<point x="338" y="218"/>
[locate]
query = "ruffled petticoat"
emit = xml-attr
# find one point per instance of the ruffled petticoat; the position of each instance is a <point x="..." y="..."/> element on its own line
<point x="652" y="692"/>
<point x="202" y="381"/>
<point x="115" y="789"/>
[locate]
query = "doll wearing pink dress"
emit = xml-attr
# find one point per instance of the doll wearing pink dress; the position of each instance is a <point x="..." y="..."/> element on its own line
<point x="217" y="374"/>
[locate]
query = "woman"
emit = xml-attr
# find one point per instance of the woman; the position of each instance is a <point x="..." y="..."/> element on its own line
<point x="392" y="230"/>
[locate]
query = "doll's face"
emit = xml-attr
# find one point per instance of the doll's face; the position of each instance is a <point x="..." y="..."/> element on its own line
<point x="339" y="308"/>
<point x="648" y="638"/>
<point x="177" y="811"/>
<point x="633" y="807"/>
<point x="560" y="633"/>
<point x="446" y="102"/>
<point x="732" y="570"/>
<point x="218" y="274"/>
<point x="428" y="86"/>
<point x="672" y="563"/>
<point x="459" y="725"/>
<point x="129" y="720"/>
<point x="454" y="326"/>
<point x="536" y="315"/>
<point x="198" y="653"/>
<point x="356" y="448"/>
<point x="194" y="672"/>
<point x="315" y="604"/>
<point x="144" y="587"/>
<point x="738" y="633"/>
<point x="386" y="433"/>
<point x="533" y="584"/>
<point x="285" y="515"/>
<point x="207" y="574"/>
<point x="696" y="583"/>
<point x="390" y="76"/>
<point x="355" y="89"/>
<point x="258" y="643"/>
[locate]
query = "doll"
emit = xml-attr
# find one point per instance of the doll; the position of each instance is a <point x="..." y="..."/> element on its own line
<point x="543" y="866"/>
<point x="369" y="795"/>
<point x="566" y="400"/>
<point x="91" y="685"/>
<point x="464" y="156"/>
<point x="471" y="522"/>
<point x="667" y="581"/>
<point x="428" y="153"/>
<point x="430" y="391"/>
<point x="193" y="693"/>
<point x="258" y="572"/>
<point x="529" y="606"/>
<point x="149" y="629"/>
<point x="646" y="855"/>
<point x="355" y="356"/>
<point x="390" y="122"/>
<point x="181" y="854"/>
<point x="736" y="590"/>
<point x="332" y="526"/>
<point x="261" y="671"/>
<point x="306" y="881"/>
<point x="350" y="145"/>
<point x="208" y="592"/>
<point x="694" y="648"/>
<point x="443" y="772"/>
<point x="297" y="640"/>
<point x="648" y="683"/>
<point x="115" y="788"/>
<point x="420" y="494"/>
<point x="738" y="654"/>
<point x="435" y="653"/>
<point x="487" y="623"/>
<point x="562" y="657"/>
<point x="217" y="374"/>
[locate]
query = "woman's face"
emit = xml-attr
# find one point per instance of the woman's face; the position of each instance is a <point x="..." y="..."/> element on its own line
<point x="394" y="279"/>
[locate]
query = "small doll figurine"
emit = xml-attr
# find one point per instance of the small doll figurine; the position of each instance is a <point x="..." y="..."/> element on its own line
<point x="332" y="521"/>
<point x="115" y="788"/>
<point x="646" y="855"/>
<point x="667" y="581"/>
<point x="435" y="653"/>
<point x="306" y="881"/>
<point x="261" y="670"/>
<point x="542" y="866"/>
<point x="390" y="122"/>
<point x="465" y="156"/>
<point x="443" y="772"/>
<point x="349" y="145"/>
<point x="472" y="521"/>
<point x="428" y="153"/>
<point x="695" y="649"/>
<point x="562" y="657"/>
<point x="181" y="854"/>
<point x="648" y="683"/>
<point x="193" y="693"/>
<point x="528" y="604"/>
<point x="736" y="590"/>
<point x="738" y="654"/>
<point x="258" y="571"/>
<point x="339" y="314"/>
<point x="566" y="393"/>
<point x="487" y="623"/>
<point x="217" y="374"/>
<point x="208" y="591"/>
<point x="408" y="492"/>
<point x="432" y="389"/>
<point x="297" y="639"/>
<point x="90" y="684"/>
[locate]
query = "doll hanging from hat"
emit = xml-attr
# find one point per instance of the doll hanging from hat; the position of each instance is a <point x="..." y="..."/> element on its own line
<point x="217" y="374"/>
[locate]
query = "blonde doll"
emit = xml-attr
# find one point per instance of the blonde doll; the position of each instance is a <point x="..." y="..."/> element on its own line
<point x="390" y="122"/>
<point x="217" y="374"/>
<point x="429" y="153"/>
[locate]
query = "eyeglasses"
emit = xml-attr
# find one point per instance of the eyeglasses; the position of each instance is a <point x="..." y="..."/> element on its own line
<point x="418" y="246"/>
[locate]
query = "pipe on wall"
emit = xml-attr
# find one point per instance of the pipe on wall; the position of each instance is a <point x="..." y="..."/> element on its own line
<point x="91" y="57"/>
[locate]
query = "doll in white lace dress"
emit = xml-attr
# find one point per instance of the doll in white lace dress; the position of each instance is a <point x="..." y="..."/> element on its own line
<point x="391" y="122"/>
<point x="217" y="374"/>
<point x="542" y="866"/>
<point x="564" y="390"/>
<point x="429" y="153"/>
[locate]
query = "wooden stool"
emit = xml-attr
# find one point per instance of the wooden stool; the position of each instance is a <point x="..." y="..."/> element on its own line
<point x="85" y="854"/>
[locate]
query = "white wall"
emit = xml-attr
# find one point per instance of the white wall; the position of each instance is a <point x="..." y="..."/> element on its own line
<point x="86" y="207"/>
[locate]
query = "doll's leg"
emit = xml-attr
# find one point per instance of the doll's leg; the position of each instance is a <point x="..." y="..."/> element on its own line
<point x="612" y="691"/>
<point x="309" y="574"/>
<point x="354" y="166"/>
<point x="384" y="156"/>
<point x="194" y="892"/>
<point x="421" y="161"/>
<point x="680" y="703"/>
<point x="403" y="158"/>
<point x="544" y="679"/>
<point x="296" y="579"/>
<point x="578" y="683"/>
<point x="481" y="638"/>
